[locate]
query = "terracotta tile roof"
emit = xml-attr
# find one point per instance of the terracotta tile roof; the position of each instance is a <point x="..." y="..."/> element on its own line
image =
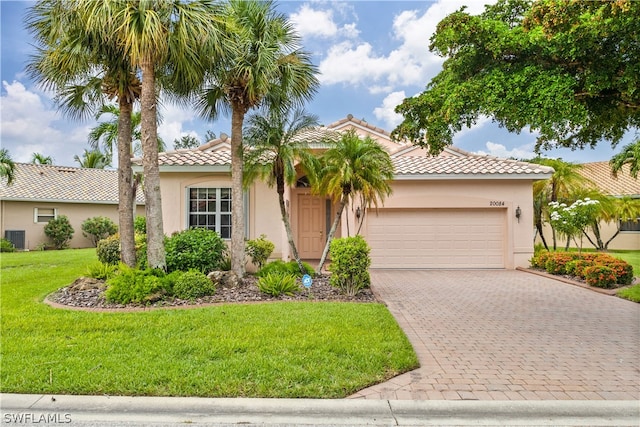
<point x="468" y="165"/>
<point x="63" y="184"/>
<point x="600" y="173"/>
<point x="350" y="119"/>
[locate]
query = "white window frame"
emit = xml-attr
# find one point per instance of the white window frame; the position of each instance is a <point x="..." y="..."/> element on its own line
<point x="37" y="215"/>
<point x="218" y="213"/>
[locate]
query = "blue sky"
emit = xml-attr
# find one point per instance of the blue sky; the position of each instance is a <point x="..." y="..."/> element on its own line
<point x="371" y="54"/>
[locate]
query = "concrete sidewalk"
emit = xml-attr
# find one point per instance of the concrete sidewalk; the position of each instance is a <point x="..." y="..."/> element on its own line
<point x="28" y="409"/>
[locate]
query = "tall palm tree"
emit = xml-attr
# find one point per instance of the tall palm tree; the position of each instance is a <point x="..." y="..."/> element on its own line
<point x="107" y="132"/>
<point x="564" y="181"/>
<point x="7" y="166"/>
<point x="353" y="167"/>
<point x="84" y="74"/>
<point x="41" y="159"/>
<point x="261" y="64"/>
<point x="276" y="142"/>
<point x="618" y="210"/>
<point x="630" y="155"/>
<point x="175" y="38"/>
<point x="93" y="159"/>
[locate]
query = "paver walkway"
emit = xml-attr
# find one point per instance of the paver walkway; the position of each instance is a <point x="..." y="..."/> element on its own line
<point x="509" y="335"/>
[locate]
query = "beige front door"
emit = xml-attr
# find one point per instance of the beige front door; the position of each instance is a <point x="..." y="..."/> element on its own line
<point x="311" y="226"/>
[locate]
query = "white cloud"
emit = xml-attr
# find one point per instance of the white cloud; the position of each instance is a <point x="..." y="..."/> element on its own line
<point x="312" y="22"/>
<point x="174" y="118"/>
<point x="386" y="112"/>
<point x="410" y="63"/>
<point x="500" y="150"/>
<point x="30" y="124"/>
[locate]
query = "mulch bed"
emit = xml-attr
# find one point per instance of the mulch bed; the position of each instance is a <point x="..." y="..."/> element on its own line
<point x="576" y="281"/>
<point x="88" y="294"/>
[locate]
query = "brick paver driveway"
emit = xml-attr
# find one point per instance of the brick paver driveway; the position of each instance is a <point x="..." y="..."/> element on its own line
<point x="507" y="335"/>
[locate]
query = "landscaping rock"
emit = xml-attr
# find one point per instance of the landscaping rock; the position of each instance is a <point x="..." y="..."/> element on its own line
<point x="85" y="283"/>
<point x="225" y="279"/>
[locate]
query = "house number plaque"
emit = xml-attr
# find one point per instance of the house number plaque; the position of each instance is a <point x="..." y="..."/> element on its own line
<point x="496" y="203"/>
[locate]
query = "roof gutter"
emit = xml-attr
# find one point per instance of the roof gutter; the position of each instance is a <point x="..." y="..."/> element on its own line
<point x="468" y="176"/>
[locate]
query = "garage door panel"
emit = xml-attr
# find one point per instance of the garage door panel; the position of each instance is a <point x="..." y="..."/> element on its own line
<point x="437" y="238"/>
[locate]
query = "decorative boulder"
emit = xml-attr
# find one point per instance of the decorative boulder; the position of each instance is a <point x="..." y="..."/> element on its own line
<point x="225" y="279"/>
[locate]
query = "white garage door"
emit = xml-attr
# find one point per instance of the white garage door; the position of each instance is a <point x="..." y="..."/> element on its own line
<point x="437" y="238"/>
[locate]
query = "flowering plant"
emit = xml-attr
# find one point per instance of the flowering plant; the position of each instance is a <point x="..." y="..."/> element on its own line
<point x="572" y="220"/>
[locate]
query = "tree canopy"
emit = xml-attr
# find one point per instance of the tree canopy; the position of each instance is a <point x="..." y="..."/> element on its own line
<point x="567" y="69"/>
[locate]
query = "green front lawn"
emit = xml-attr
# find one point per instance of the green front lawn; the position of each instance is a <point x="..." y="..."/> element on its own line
<point x="323" y="350"/>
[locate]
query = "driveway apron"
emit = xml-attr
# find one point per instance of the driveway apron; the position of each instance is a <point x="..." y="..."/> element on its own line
<point x="509" y="335"/>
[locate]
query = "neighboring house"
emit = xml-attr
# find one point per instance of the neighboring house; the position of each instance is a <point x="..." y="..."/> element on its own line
<point x="622" y="185"/>
<point x="40" y="193"/>
<point x="456" y="210"/>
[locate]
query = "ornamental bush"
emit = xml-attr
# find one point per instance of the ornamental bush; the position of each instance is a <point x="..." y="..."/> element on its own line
<point x="193" y="284"/>
<point x="108" y="250"/>
<point x="623" y="271"/>
<point x="278" y="283"/>
<point x="279" y="266"/>
<point x="539" y="259"/>
<point x="194" y="249"/>
<point x="576" y="267"/>
<point x="60" y="231"/>
<point x="259" y="250"/>
<point x="98" y="228"/>
<point x="6" y="245"/>
<point x="131" y="285"/>
<point x="140" y="225"/>
<point x="600" y="276"/>
<point x="557" y="261"/>
<point x="350" y="263"/>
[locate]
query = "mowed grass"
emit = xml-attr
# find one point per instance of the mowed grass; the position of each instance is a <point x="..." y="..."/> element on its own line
<point x="320" y="350"/>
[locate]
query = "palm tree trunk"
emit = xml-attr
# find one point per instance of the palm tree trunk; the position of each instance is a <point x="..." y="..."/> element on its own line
<point x="237" y="208"/>
<point x="287" y="227"/>
<point x="606" y="245"/>
<point x="539" y="228"/>
<point x="149" y="132"/>
<point x="334" y="226"/>
<point x="126" y="195"/>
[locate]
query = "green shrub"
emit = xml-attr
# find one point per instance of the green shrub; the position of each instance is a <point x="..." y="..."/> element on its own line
<point x="98" y="228"/>
<point x="557" y="261"/>
<point x="540" y="259"/>
<point x="622" y="270"/>
<point x="60" y="231"/>
<point x="350" y="263"/>
<point x="108" y="250"/>
<point x="600" y="276"/>
<point x="576" y="267"/>
<point x="279" y="266"/>
<point x="141" y="251"/>
<point x="140" y="225"/>
<point x="278" y="283"/>
<point x="100" y="270"/>
<point x="259" y="250"/>
<point x="193" y="284"/>
<point x="6" y="245"/>
<point x="194" y="249"/>
<point x="136" y="286"/>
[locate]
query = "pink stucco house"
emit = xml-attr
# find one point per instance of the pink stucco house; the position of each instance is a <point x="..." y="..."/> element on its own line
<point x="40" y="193"/>
<point x="456" y="210"/>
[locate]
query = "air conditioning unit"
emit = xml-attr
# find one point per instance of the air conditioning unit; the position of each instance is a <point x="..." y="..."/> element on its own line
<point x="16" y="237"/>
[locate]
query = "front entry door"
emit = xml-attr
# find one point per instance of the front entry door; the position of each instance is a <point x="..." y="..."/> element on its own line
<point x="311" y="226"/>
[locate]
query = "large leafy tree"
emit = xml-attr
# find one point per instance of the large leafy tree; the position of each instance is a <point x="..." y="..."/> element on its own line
<point x="174" y="39"/>
<point x="7" y="166"/>
<point x="261" y="64"/>
<point x="566" y="69"/>
<point x="276" y="142"/>
<point x="353" y="167"/>
<point x="84" y="74"/>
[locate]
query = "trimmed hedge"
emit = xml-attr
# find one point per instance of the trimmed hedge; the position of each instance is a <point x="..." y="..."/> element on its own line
<point x="616" y="272"/>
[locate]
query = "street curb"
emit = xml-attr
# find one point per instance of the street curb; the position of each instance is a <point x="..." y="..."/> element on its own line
<point x="141" y="410"/>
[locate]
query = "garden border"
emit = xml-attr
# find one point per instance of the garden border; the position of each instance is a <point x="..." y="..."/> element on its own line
<point x="564" y="279"/>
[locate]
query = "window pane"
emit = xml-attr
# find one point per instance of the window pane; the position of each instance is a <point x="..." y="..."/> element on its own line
<point x="211" y="206"/>
<point x="193" y="220"/>
<point x="225" y="193"/>
<point x="225" y="206"/>
<point x="225" y="232"/>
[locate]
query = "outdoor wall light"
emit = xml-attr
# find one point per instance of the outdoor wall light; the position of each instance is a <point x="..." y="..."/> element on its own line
<point x="358" y="213"/>
<point x="518" y="213"/>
